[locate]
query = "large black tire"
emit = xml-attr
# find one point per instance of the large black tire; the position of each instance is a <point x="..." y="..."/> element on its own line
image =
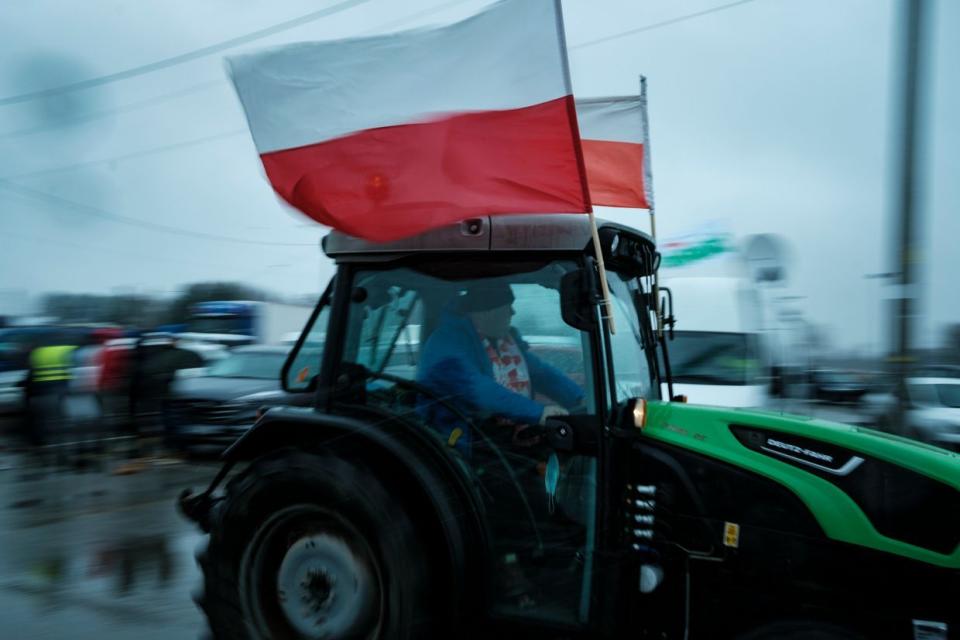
<point x="298" y="521"/>
<point x="801" y="630"/>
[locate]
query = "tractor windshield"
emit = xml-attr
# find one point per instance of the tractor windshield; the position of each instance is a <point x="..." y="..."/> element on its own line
<point x="633" y="375"/>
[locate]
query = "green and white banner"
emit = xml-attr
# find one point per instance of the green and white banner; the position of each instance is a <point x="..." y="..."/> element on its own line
<point x="697" y="246"/>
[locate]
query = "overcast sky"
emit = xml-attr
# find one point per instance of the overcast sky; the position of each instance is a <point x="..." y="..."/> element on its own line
<point x="770" y="116"/>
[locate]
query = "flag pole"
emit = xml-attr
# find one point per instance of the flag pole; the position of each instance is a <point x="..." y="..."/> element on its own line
<point x="607" y="307"/>
<point x="648" y="188"/>
<point x="594" y="232"/>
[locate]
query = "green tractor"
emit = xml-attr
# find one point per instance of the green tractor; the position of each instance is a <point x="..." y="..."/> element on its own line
<point x="492" y="450"/>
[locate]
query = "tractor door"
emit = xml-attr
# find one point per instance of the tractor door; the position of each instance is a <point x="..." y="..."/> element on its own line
<point x="416" y="331"/>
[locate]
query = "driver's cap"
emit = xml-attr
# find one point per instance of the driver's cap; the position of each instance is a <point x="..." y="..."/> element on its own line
<point x="485" y="296"/>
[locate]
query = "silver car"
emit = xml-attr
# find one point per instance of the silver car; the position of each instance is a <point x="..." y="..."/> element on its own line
<point x="933" y="410"/>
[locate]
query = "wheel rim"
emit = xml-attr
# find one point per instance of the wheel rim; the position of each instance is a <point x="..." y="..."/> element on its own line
<point x="309" y="573"/>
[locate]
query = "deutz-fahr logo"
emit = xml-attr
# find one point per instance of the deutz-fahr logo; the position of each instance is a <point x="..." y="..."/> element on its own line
<point x="792" y="448"/>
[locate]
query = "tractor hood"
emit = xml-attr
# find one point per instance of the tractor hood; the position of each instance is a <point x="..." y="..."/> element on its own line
<point x="863" y="486"/>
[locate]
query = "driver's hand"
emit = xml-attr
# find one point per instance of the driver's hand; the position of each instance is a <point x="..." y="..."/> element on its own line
<point x="550" y="411"/>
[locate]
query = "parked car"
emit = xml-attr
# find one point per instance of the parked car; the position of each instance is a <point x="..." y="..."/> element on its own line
<point x="832" y="385"/>
<point x="933" y="410"/>
<point x="206" y="412"/>
<point x="937" y="371"/>
<point x="11" y="391"/>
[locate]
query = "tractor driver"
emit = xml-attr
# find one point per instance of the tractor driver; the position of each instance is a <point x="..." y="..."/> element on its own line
<point x="475" y="358"/>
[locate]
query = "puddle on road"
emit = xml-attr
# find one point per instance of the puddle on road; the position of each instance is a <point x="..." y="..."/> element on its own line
<point x="98" y="556"/>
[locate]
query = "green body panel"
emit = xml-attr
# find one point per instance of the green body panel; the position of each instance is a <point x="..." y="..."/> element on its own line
<point x="705" y="430"/>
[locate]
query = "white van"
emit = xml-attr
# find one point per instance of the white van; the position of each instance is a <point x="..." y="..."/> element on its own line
<point x="717" y="356"/>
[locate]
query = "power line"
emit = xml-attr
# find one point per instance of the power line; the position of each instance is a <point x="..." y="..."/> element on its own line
<point x="106" y="113"/>
<point x="413" y="16"/>
<point x="129" y="156"/>
<point x="183" y="57"/>
<point x="100" y="250"/>
<point x="153" y="226"/>
<point x="229" y="134"/>
<point x="289" y="24"/>
<point x="143" y="104"/>
<point x="658" y="25"/>
<point x="138" y="256"/>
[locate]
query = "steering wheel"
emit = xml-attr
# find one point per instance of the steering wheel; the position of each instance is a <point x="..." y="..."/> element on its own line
<point x="497" y="450"/>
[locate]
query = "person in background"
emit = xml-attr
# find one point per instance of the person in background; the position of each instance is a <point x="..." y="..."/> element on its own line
<point x="113" y="381"/>
<point x="154" y="364"/>
<point x="47" y="384"/>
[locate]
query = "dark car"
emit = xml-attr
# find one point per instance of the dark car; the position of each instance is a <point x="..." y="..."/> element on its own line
<point x="204" y="414"/>
<point x="17" y="342"/>
<point x="837" y="386"/>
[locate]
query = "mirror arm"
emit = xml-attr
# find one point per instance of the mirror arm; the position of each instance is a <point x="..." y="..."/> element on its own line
<point x="666" y="365"/>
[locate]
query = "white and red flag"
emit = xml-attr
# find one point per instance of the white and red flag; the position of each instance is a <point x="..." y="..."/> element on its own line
<point x="387" y="136"/>
<point x="615" y="145"/>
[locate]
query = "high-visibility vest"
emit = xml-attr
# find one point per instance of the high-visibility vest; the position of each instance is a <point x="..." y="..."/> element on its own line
<point x="51" y="364"/>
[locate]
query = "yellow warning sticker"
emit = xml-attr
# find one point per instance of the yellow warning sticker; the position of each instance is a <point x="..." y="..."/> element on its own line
<point x="731" y="535"/>
<point x="454" y="436"/>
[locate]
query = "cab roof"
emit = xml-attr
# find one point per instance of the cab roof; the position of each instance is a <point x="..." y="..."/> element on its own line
<point x="522" y="232"/>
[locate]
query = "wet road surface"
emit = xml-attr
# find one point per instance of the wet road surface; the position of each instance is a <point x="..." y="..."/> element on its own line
<point x="97" y="555"/>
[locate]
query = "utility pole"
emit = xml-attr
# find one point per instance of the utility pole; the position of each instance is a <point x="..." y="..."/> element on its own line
<point x="887" y="277"/>
<point x="908" y="89"/>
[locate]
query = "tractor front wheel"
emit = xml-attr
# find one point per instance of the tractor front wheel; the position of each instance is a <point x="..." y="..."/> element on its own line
<point x="309" y="546"/>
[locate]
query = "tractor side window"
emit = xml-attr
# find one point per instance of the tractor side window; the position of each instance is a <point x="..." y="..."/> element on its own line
<point x="304" y="365"/>
<point x="390" y="332"/>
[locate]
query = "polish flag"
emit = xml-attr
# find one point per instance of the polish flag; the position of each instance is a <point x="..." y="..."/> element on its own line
<point x="615" y="145"/>
<point x="385" y="137"/>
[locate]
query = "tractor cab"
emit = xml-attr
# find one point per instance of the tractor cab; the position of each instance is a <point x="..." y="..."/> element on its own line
<point x="487" y="340"/>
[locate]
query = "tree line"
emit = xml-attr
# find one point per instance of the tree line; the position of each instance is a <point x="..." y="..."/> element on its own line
<point x="141" y="310"/>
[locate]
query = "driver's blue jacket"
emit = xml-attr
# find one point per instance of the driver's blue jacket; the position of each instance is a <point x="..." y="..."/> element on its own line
<point x="455" y="365"/>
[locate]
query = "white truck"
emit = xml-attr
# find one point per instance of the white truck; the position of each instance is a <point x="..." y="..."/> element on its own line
<point x="240" y="322"/>
<point x="717" y="356"/>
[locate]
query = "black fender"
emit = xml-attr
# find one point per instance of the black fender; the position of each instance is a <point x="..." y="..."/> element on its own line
<point x="414" y="466"/>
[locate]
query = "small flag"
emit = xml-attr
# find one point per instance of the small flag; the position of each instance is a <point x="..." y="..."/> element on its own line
<point x="615" y="142"/>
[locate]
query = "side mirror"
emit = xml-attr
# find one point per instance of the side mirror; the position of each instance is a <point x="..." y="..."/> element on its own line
<point x="577" y="296"/>
<point x="666" y="304"/>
